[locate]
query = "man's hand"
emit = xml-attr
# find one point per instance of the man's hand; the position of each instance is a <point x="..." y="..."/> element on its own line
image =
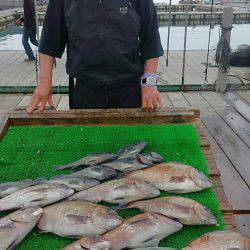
<point x="151" y="99"/>
<point x="18" y="21"/>
<point x="41" y="96"/>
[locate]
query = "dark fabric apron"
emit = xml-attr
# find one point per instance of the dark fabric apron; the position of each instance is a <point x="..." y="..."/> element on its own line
<point x="103" y="45"/>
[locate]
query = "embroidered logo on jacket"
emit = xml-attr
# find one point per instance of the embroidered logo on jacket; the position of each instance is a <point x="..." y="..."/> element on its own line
<point x="124" y="10"/>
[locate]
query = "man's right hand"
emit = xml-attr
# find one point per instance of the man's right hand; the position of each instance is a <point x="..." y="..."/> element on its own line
<point x="41" y="96"/>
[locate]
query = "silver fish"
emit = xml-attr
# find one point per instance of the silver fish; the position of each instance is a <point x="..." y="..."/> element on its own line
<point x="93" y="159"/>
<point x="77" y="219"/>
<point x="40" y="195"/>
<point x="76" y="183"/>
<point x="16" y="226"/>
<point x="186" y="211"/>
<point x="173" y="177"/>
<point x="12" y="187"/>
<point x="127" y="164"/>
<point x="91" y="243"/>
<point x="131" y="150"/>
<point x="144" y="230"/>
<point x="151" y="158"/>
<point x="118" y="191"/>
<point x="220" y="240"/>
<point x="98" y="172"/>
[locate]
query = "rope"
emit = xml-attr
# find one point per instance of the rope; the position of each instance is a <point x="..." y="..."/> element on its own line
<point x="209" y="40"/>
<point x="223" y="51"/>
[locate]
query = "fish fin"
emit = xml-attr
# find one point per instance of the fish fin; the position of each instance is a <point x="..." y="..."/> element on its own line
<point x="150" y="242"/>
<point x="59" y="167"/>
<point x="59" y="176"/>
<point x="121" y="206"/>
<point x="12" y="245"/>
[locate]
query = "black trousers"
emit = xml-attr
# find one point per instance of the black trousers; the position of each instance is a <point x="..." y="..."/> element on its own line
<point x="84" y="96"/>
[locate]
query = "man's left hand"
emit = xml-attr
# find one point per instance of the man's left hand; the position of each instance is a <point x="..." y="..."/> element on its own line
<point x="151" y="99"/>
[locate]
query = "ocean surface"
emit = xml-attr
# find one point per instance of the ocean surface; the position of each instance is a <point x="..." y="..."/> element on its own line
<point x="197" y="37"/>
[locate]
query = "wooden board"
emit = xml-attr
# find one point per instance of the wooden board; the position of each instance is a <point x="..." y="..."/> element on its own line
<point x="240" y="126"/>
<point x="233" y="147"/>
<point x="9" y="102"/>
<point x="23" y="104"/>
<point x="100" y="116"/>
<point x="245" y="94"/>
<point x="243" y="221"/>
<point x="239" y="104"/>
<point x="4" y="124"/>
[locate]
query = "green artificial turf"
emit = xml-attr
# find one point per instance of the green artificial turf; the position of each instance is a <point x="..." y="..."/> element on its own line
<point x="31" y="152"/>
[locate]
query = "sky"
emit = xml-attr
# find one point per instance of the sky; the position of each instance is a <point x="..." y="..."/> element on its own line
<point x="166" y="1"/>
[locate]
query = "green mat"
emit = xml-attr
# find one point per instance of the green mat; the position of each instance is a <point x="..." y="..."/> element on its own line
<point x="31" y="152"/>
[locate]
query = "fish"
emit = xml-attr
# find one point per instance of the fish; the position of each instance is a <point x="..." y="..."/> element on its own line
<point x="91" y="243"/>
<point x="150" y="158"/>
<point x="131" y="150"/>
<point x="76" y="183"/>
<point x="90" y="160"/>
<point x="16" y="226"/>
<point x="173" y="177"/>
<point x="126" y="165"/>
<point x="143" y="230"/>
<point x="226" y="240"/>
<point x="39" y="195"/>
<point x="186" y="211"/>
<point x="75" y="219"/>
<point x="121" y="191"/>
<point x="156" y="248"/>
<point x="11" y="187"/>
<point x="98" y="172"/>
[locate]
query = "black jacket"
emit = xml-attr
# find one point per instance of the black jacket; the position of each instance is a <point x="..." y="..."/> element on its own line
<point x="108" y="41"/>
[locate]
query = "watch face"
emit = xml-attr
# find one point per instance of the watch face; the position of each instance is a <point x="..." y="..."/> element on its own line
<point x="151" y="81"/>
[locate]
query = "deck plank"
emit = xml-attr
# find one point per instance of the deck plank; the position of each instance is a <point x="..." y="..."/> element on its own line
<point x="64" y="103"/>
<point x="234" y="148"/>
<point x="244" y="223"/>
<point x="178" y="100"/>
<point x="239" y="104"/>
<point x="8" y="103"/>
<point x="165" y="100"/>
<point x="245" y="94"/>
<point x="171" y="75"/>
<point x="26" y="99"/>
<point x="240" y="126"/>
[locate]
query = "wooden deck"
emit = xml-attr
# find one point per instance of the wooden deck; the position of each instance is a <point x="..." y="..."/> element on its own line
<point x="227" y="121"/>
<point x="15" y="72"/>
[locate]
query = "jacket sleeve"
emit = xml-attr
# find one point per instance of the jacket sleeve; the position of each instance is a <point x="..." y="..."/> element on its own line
<point x="150" y="42"/>
<point x="54" y="35"/>
<point x="29" y="18"/>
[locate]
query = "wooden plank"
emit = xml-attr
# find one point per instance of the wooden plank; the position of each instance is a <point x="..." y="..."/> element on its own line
<point x="234" y="148"/>
<point x="243" y="222"/>
<point x="240" y="126"/>
<point x="225" y="206"/>
<point x="230" y="222"/>
<point x="64" y="103"/>
<point x="100" y="116"/>
<point x="236" y="190"/>
<point x="26" y="99"/>
<point x="245" y="94"/>
<point x="239" y="104"/>
<point x="8" y="103"/>
<point x="178" y="99"/>
<point x="165" y="100"/>
<point x="4" y="124"/>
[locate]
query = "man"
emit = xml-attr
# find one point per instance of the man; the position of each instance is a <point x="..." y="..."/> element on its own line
<point x="113" y="48"/>
<point x="29" y="30"/>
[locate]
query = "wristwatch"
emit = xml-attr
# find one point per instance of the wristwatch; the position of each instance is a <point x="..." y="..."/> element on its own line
<point x="149" y="80"/>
